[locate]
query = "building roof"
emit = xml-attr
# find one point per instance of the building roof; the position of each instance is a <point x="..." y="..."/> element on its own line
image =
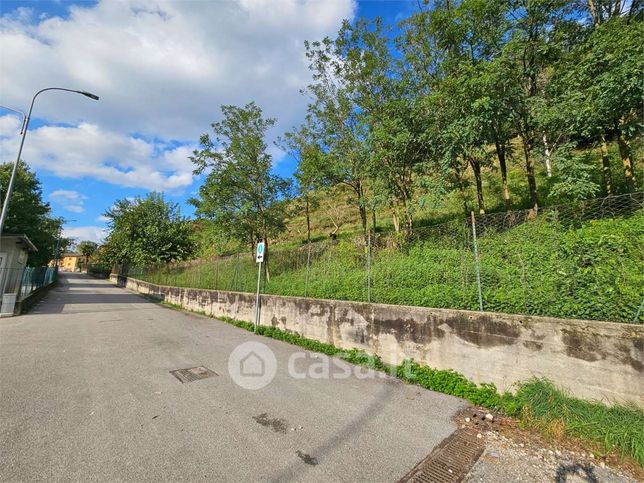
<point x="22" y="240"/>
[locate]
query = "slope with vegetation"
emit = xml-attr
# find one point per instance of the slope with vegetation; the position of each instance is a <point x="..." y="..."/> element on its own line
<point x="474" y="105"/>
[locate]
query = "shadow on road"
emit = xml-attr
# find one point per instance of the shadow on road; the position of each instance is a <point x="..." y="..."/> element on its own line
<point x="78" y="289"/>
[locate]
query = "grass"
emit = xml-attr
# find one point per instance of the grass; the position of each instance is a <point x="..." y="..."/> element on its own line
<point x="538" y="404"/>
<point x="593" y="271"/>
<point x="544" y="407"/>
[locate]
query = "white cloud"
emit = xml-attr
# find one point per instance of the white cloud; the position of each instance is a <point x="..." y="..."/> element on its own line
<point x="70" y="200"/>
<point x="92" y="233"/>
<point x="88" y="151"/>
<point x="162" y="69"/>
<point x="102" y="218"/>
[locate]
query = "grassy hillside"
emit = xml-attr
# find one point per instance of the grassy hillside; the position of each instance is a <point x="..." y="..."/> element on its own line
<point x="591" y="271"/>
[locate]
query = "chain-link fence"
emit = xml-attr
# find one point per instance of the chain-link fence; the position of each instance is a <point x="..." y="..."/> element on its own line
<point x="581" y="260"/>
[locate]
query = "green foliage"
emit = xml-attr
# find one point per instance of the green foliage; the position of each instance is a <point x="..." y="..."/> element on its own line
<point x="574" y="178"/>
<point x="589" y="271"/>
<point x="240" y="194"/>
<point x="146" y="231"/>
<point x="28" y="213"/>
<point x="543" y="406"/>
<point x="87" y="248"/>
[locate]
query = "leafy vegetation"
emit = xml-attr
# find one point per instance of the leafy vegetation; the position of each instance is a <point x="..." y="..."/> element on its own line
<point x="545" y="267"/>
<point x="29" y="214"/>
<point x="146" y="231"/>
<point x="470" y="105"/>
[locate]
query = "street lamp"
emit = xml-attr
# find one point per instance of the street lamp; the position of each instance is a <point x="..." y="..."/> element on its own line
<point x="5" y="206"/>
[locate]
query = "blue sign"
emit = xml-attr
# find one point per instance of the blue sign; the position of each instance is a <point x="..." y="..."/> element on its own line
<point x="260" y="252"/>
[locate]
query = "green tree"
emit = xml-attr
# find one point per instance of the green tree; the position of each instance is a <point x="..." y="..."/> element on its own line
<point x="29" y="214"/>
<point x="339" y="126"/>
<point x="87" y="249"/>
<point x="309" y="175"/>
<point x="240" y="193"/>
<point x="540" y="30"/>
<point x="147" y="230"/>
<point x="597" y="92"/>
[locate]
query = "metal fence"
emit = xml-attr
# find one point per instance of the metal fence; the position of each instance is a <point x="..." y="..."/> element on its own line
<point x="34" y="278"/>
<point x="581" y="260"/>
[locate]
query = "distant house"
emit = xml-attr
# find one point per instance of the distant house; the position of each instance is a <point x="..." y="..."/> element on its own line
<point x="69" y="262"/>
<point x="14" y="250"/>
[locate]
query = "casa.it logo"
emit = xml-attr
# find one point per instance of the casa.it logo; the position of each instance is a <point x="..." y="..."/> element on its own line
<point x="252" y="365"/>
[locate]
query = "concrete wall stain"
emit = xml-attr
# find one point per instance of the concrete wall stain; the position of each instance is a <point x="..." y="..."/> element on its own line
<point x="582" y="345"/>
<point x="483" y="330"/>
<point x="532" y="345"/>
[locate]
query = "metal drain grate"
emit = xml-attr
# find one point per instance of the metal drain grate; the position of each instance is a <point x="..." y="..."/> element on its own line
<point x="193" y="374"/>
<point x="450" y="461"/>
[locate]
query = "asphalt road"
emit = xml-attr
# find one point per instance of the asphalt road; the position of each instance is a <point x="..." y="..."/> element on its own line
<point x="86" y="394"/>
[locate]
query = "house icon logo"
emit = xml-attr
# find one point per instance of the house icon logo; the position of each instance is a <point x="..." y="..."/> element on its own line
<point x="252" y="365"/>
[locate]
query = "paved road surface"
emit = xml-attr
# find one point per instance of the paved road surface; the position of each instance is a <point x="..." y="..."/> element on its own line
<point x="86" y="395"/>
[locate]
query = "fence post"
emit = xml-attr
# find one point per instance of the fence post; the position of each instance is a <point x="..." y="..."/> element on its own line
<point x="236" y="275"/>
<point x="477" y="262"/>
<point x="369" y="267"/>
<point x="308" y="267"/>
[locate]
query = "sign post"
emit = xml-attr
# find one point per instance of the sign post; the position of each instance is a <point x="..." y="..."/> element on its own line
<point x="259" y="258"/>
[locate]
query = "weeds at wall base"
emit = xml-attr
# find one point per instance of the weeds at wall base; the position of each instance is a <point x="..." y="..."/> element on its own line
<point x="538" y="404"/>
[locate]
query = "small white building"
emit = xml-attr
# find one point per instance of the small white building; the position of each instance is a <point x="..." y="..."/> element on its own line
<point x="14" y="250"/>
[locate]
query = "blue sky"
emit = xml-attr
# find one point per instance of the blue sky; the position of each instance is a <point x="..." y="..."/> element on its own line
<point x="162" y="70"/>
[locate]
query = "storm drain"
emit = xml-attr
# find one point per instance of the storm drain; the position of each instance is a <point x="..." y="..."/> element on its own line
<point x="193" y="374"/>
<point x="450" y="461"/>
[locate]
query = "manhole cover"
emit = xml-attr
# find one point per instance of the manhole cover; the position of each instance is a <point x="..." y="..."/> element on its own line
<point x="193" y="374"/>
<point x="450" y="461"/>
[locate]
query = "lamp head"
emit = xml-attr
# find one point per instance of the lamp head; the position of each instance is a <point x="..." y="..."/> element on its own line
<point x="89" y="94"/>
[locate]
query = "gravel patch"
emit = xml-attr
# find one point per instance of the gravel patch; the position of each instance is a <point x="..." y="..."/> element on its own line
<point x="506" y="461"/>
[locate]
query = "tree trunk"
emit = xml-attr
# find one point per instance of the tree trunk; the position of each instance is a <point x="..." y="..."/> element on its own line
<point x="410" y="221"/>
<point x="608" y="179"/>
<point x="396" y="220"/>
<point x="532" y="184"/>
<point x="500" y="153"/>
<point x="476" y="167"/>
<point x="548" y="154"/>
<point x="267" y="273"/>
<point x="308" y="220"/>
<point x="627" y="161"/>
<point x="363" y="219"/>
<point x="373" y="220"/>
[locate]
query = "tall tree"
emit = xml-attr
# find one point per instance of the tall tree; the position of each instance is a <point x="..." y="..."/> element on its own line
<point x="539" y="29"/>
<point x="29" y="214"/>
<point x="311" y="167"/>
<point x="240" y="193"/>
<point x="147" y="230"/>
<point x="597" y="92"/>
<point x="340" y="129"/>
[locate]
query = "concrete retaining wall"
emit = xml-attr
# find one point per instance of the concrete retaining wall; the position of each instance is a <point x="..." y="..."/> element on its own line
<point x="593" y="360"/>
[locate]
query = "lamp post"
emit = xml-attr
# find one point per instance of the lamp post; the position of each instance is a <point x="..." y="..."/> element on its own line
<point x="5" y="206"/>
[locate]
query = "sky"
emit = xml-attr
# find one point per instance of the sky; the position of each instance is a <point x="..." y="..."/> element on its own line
<point x="162" y="70"/>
